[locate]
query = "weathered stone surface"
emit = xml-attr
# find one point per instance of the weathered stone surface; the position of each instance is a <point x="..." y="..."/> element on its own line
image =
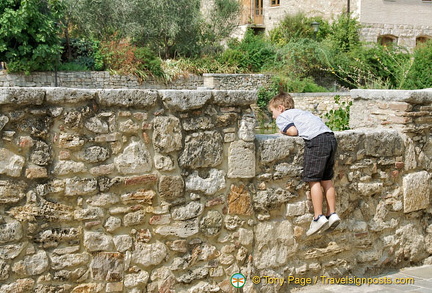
<point x="273" y="249"/>
<point x="149" y="254"/>
<point x="77" y="186"/>
<point x="209" y="185"/>
<point x="167" y="135"/>
<point x="107" y="266"/>
<point x="90" y="213"/>
<point x="112" y="224"/>
<point x="11" y="251"/>
<point x="42" y="208"/>
<point x="97" y="125"/>
<point x="241" y="160"/>
<point x="69" y="260"/>
<point x="3" y="121"/>
<point x="58" y="95"/>
<point x="203" y="149"/>
<point x="275" y="147"/>
<point x="134" y="218"/>
<point x="22" y="96"/>
<point x="127" y="98"/>
<point x="36" y="264"/>
<point x="383" y="143"/>
<point x="185" y="100"/>
<point x="20" y="286"/>
<point x="41" y="153"/>
<point x="10" y="163"/>
<point x="10" y="232"/>
<point x="370" y="188"/>
<point x="123" y="242"/>
<point x="103" y="200"/>
<point x="4" y="270"/>
<point x="211" y="224"/>
<point x="52" y="237"/>
<point x="96" y="241"/>
<point x="69" y="167"/>
<point x="135" y="159"/>
<point x="182" y="229"/>
<point x="234" y="97"/>
<point x="239" y="201"/>
<point x="96" y="154"/>
<point x="171" y="187"/>
<point x="141" y="196"/>
<point x="136" y="280"/>
<point x="265" y="200"/>
<point x="11" y="191"/>
<point x="70" y="141"/>
<point x="416" y="191"/>
<point x="188" y="211"/>
<point x="163" y="163"/>
<point x="247" y="129"/>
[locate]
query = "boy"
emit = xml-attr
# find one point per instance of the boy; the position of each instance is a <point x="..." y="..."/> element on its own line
<point x="319" y="153"/>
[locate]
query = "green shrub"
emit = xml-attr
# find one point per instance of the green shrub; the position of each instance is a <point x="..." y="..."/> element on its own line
<point x="420" y="73"/>
<point x="338" y="119"/>
<point x="252" y="54"/>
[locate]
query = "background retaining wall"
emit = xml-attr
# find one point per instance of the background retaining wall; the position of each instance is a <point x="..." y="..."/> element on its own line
<point x="151" y="191"/>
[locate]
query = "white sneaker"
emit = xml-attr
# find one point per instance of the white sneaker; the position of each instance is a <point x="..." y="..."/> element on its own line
<point x="333" y="220"/>
<point x="320" y="224"/>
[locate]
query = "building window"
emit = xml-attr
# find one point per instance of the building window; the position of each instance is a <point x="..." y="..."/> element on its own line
<point x="275" y="2"/>
<point x="422" y="39"/>
<point x="387" y="40"/>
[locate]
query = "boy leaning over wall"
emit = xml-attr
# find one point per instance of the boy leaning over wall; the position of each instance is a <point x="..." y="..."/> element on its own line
<point x="319" y="157"/>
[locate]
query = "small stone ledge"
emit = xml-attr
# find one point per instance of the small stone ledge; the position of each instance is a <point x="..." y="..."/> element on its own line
<point x="410" y="96"/>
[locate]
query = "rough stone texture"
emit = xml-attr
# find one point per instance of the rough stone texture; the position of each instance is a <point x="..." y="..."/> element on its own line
<point x="416" y="191"/>
<point x="137" y="191"/>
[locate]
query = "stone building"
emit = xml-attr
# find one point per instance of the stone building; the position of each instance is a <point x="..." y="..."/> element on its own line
<point x="403" y="22"/>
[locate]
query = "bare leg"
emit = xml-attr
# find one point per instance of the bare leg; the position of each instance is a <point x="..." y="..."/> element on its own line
<point x="317" y="198"/>
<point x="330" y="196"/>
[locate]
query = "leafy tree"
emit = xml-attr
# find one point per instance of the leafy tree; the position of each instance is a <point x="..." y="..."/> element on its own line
<point x="29" y="38"/>
<point x="420" y="73"/>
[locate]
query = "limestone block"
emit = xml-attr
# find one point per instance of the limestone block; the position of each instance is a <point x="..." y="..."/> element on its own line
<point x="129" y="126"/>
<point x="211" y="223"/>
<point x="184" y="100"/>
<point x="202" y="149"/>
<point x="78" y="186"/>
<point x="123" y="242"/>
<point x="3" y="121"/>
<point x="19" y="286"/>
<point x="234" y="97"/>
<point x="103" y="200"/>
<point x="239" y="201"/>
<point x="127" y="97"/>
<point x="241" y="159"/>
<point x="383" y="143"/>
<point x="107" y="266"/>
<point x="52" y="237"/>
<point x="10" y="163"/>
<point x="69" y="141"/>
<point x="416" y="191"/>
<point x="22" y="96"/>
<point x="141" y="196"/>
<point x="275" y="147"/>
<point x="97" y="125"/>
<point x="192" y="275"/>
<point x="171" y="187"/>
<point x="270" y="199"/>
<point x="167" y="135"/>
<point x="198" y="123"/>
<point x="59" y="262"/>
<point x="41" y="154"/>
<point x="136" y="280"/>
<point x="11" y="191"/>
<point x="247" y="128"/>
<point x="10" y="232"/>
<point x="90" y="213"/>
<point x="272" y="250"/>
<point x="97" y="241"/>
<point x="182" y="229"/>
<point x="37" y="263"/>
<point x="163" y="163"/>
<point x="135" y="159"/>
<point x="11" y="251"/>
<point x="61" y="96"/>
<point x="209" y="185"/>
<point x="69" y="167"/>
<point x="149" y="254"/>
<point x="112" y="224"/>
<point x="135" y="218"/>
<point x="4" y="270"/>
<point x="185" y="212"/>
<point x="296" y="209"/>
<point x="369" y="188"/>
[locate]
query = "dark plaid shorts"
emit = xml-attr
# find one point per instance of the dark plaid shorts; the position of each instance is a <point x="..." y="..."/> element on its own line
<point x="319" y="157"/>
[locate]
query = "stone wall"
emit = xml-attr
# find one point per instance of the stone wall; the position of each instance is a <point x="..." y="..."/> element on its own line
<point x="105" y="80"/>
<point x="151" y="191"/>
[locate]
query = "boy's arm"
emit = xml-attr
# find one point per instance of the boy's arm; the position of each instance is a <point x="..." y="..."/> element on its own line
<point x="291" y="131"/>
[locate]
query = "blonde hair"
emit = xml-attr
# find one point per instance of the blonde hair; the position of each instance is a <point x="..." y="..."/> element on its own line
<point x="283" y="99"/>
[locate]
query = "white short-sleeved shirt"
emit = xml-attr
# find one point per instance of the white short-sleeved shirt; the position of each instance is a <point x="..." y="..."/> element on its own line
<point x="308" y="125"/>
